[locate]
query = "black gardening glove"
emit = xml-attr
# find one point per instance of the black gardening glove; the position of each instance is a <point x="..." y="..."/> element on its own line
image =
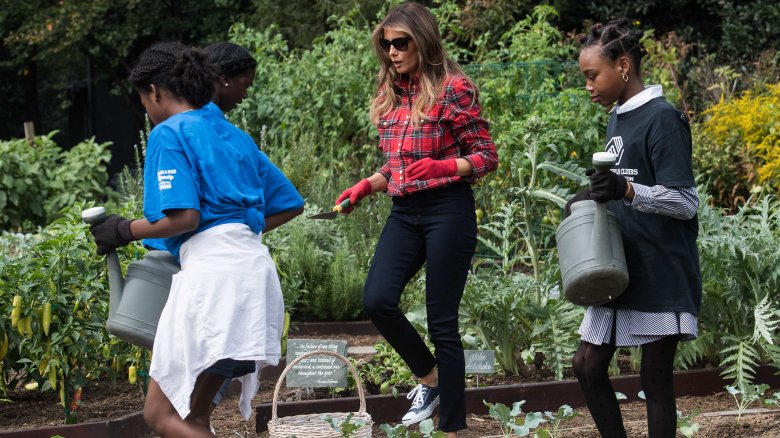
<point x="582" y="195"/>
<point x="606" y="186"/>
<point x="111" y="233"/>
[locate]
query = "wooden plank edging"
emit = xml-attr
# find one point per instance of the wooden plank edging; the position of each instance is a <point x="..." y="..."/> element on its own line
<point x="128" y="426"/>
<point x="539" y="396"/>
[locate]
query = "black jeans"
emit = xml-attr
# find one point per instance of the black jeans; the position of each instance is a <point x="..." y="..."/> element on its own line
<point x="439" y="228"/>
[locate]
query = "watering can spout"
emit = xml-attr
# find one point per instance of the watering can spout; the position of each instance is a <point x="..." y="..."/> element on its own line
<point x="116" y="283"/>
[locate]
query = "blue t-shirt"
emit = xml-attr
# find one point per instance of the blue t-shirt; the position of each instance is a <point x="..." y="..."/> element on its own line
<point x="198" y="160"/>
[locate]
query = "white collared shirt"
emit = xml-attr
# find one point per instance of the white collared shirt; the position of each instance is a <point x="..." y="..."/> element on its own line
<point x="649" y="93"/>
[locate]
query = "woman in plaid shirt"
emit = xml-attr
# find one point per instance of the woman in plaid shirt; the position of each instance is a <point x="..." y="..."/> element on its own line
<point x="436" y="144"/>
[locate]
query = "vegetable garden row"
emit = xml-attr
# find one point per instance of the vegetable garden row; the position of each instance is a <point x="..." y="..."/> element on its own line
<point x="308" y="111"/>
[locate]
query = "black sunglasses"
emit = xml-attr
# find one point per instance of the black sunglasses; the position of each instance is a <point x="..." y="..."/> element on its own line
<point x="401" y="44"/>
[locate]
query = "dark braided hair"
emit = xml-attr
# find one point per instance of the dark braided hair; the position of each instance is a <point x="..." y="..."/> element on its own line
<point x="184" y="71"/>
<point x="231" y="59"/>
<point x="615" y="40"/>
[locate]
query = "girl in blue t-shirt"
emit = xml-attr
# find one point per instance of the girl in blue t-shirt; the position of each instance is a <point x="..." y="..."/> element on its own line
<point x="209" y="194"/>
<point x="652" y="192"/>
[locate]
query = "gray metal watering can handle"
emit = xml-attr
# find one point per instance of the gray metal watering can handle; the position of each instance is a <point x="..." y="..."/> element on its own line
<point x="601" y="238"/>
<point x="96" y="215"/>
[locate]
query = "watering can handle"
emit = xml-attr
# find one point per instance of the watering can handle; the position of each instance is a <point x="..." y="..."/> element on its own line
<point x="600" y="239"/>
<point x="603" y="161"/>
<point x="96" y="215"/>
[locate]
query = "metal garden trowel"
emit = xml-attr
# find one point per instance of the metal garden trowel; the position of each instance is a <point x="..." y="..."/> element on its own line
<point x="335" y="212"/>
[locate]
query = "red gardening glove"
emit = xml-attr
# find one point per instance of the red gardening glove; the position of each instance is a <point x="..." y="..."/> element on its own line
<point x="355" y="193"/>
<point x="428" y="168"/>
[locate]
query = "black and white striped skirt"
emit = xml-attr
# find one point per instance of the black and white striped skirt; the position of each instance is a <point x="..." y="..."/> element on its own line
<point x="633" y="328"/>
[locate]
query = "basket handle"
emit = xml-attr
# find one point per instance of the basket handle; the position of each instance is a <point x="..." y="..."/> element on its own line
<point x="289" y="366"/>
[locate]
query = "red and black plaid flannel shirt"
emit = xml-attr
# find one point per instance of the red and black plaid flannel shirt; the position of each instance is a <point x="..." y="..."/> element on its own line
<point x="453" y="128"/>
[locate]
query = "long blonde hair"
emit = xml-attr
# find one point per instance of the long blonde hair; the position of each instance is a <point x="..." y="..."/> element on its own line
<point x="433" y="65"/>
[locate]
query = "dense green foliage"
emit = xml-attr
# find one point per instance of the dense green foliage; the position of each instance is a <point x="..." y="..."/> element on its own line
<point x="39" y="179"/>
<point x="59" y="269"/>
<point x="308" y="111"/>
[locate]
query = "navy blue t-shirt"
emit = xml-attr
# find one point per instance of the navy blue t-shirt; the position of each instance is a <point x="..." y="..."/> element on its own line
<point x="199" y="160"/>
<point x="653" y="146"/>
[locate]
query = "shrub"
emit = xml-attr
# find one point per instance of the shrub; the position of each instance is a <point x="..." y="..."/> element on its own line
<point x="60" y="338"/>
<point x="740" y="146"/>
<point x="740" y="276"/>
<point x="39" y="179"/>
<point x="323" y="264"/>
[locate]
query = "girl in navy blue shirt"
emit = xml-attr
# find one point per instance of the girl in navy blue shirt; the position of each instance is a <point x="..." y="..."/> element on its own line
<point x="652" y="191"/>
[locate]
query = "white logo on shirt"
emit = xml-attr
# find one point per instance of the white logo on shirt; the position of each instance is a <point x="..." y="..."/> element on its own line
<point x="615" y="146"/>
<point x="165" y="178"/>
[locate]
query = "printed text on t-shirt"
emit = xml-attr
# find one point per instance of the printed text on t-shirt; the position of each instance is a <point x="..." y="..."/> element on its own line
<point x="165" y="178"/>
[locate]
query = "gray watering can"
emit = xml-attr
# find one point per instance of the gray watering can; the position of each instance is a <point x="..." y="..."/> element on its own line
<point x="136" y="300"/>
<point x="590" y="249"/>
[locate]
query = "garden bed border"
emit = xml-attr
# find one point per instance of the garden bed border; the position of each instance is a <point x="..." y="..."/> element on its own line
<point x="128" y="426"/>
<point x="539" y="396"/>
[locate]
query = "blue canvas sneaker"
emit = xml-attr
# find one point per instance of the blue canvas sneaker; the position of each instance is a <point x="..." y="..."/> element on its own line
<point x="424" y="401"/>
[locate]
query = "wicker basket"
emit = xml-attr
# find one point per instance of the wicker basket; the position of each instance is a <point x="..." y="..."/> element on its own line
<point x="313" y="425"/>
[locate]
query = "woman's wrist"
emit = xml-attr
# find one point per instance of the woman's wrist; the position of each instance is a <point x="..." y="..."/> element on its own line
<point x="378" y="182"/>
<point x="464" y="167"/>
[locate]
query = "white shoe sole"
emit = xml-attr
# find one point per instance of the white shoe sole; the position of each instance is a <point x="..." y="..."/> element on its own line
<point x="422" y="415"/>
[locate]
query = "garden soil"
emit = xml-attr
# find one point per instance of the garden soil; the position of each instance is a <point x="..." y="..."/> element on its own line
<point x="103" y="400"/>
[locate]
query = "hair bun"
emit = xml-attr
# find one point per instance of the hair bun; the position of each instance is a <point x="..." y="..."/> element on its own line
<point x="183" y="70"/>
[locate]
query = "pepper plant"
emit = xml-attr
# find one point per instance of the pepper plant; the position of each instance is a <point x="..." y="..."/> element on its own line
<point x="56" y="296"/>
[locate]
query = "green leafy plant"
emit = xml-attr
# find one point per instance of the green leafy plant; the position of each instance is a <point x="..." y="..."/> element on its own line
<point x="740" y="274"/>
<point x="554" y="334"/>
<point x="427" y="430"/>
<point x="386" y="370"/>
<point x="511" y="421"/>
<point x="531" y="154"/>
<point x="563" y="414"/>
<point x="40" y="179"/>
<point x="534" y="38"/>
<point x="347" y="428"/>
<point x="496" y="311"/>
<point x="745" y="395"/>
<point x="59" y="338"/>
<point x="321" y="267"/>
<point x="685" y="424"/>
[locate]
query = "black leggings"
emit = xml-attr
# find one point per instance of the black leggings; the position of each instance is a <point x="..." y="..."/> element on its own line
<point x="590" y="364"/>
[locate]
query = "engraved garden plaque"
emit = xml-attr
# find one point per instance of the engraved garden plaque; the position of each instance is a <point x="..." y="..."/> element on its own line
<point x="316" y="371"/>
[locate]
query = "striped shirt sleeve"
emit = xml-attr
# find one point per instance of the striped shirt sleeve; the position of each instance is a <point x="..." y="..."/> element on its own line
<point x="677" y="202"/>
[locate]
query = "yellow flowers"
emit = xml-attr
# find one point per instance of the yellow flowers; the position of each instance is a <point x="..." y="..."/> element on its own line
<point x="750" y="121"/>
